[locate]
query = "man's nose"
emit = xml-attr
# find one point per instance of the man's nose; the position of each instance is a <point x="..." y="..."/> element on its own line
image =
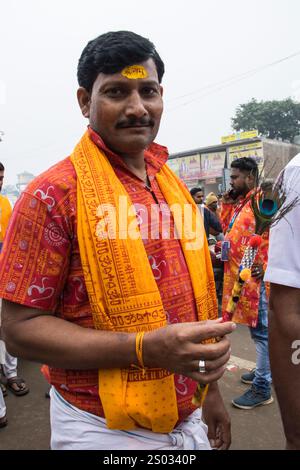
<point x="135" y="105"/>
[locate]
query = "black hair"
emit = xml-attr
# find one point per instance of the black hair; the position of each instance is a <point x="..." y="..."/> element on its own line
<point x="246" y="165"/>
<point x="111" y="52"/>
<point x="193" y="191"/>
<point x="2" y="167"/>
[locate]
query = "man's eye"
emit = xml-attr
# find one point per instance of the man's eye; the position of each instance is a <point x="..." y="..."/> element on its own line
<point x="114" y="92"/>
<point x="149" y="91"/>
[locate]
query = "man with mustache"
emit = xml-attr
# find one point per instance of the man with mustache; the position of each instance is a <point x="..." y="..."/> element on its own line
<point x="115" y="315"/>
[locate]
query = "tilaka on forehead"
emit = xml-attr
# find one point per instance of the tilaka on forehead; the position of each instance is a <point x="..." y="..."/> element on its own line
<point x="134" y="72"/>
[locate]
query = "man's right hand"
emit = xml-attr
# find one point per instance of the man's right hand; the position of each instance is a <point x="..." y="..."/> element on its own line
<point x="228" y="198"/>
<point x="179" y="347"/>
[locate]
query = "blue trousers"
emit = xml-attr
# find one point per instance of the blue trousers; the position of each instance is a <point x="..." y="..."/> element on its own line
<point x="259" y="334"/>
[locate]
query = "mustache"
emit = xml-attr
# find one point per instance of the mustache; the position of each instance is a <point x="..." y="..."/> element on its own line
<point x="143" y="122"/>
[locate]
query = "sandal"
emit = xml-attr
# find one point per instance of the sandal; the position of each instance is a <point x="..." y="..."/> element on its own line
<point x="3" y="388"/>
<point x="17" y="381"/>
<point x="3" y="421"/>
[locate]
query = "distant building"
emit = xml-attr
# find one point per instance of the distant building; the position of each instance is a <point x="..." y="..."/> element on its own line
<point x="11" y="193"/>
<point x="23" y="180"/>
<point x="209" y="167"/>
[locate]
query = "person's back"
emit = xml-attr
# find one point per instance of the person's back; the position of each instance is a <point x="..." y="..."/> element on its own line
<point x="211" y="223"/>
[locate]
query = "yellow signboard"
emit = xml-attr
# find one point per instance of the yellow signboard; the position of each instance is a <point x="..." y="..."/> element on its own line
<point x="239" y="136"/>
<point x="254" y="151"/>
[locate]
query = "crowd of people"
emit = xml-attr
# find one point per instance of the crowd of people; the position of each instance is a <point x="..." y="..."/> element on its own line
<point x="106" y="278"/>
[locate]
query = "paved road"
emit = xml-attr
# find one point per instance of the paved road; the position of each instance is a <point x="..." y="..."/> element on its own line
<point x="259" y="428"/>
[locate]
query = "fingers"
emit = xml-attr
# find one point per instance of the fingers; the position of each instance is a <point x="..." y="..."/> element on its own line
<point x="215" y="357"/>
<point x="212" y="365"/>
<point x="211" y="329"/>
<point x="221" y="438"/>
<point x="257" y="271"/>
<point x="210" y="352"/>
<point x="214" y="368"/>
<point x="258" y="276"/>
<point x="225" y="445"/>
<point x="208" y="377"/>
<point x="224" y="437"/>
<point x="216" y="443"/>
<point x="179" y="347"/>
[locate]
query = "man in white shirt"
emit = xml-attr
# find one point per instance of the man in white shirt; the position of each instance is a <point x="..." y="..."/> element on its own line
<point x="284" y="318"/>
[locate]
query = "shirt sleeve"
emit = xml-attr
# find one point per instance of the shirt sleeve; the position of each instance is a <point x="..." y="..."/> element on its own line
<point x="35" y="256"/>
<point x="284" y="260"/>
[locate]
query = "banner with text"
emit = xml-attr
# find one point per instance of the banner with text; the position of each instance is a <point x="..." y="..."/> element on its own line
<point x="212" y="164"/>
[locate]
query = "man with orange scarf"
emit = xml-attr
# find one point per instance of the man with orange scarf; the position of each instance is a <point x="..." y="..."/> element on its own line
<point x="238" y="223"/>
<point x="107" y="274"/>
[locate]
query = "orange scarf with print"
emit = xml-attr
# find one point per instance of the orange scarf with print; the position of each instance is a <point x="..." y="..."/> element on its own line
<point x="121" y="287"/>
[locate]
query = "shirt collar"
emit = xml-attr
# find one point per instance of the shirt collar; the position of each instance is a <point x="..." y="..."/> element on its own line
<point x="155" y="155"/>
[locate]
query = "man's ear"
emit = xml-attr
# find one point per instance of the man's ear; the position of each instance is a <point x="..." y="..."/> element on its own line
<point x="83" y="97"/>
<point x="161" y="90"/>
<point x="250" y="180"/>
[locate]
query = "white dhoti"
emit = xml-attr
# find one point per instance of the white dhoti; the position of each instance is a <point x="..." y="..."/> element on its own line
<point x="74" y="429"/>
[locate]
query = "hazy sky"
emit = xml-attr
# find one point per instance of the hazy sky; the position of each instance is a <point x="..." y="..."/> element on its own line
<point x="203" y="43"/>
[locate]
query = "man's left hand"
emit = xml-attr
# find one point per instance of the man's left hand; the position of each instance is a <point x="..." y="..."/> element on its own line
<point x="257" y="271"/>
<point x="217" y="419"/>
